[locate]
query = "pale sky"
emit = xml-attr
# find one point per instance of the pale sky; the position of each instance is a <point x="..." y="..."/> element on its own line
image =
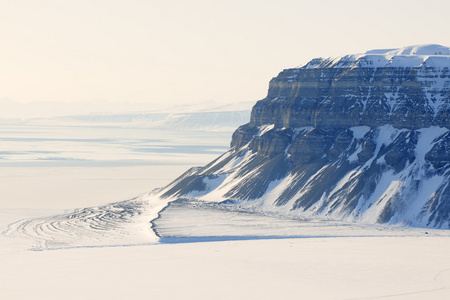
<point x="178" y="51"/>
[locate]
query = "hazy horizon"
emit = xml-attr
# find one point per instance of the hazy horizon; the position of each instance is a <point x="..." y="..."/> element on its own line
<point x="175" y="52"/>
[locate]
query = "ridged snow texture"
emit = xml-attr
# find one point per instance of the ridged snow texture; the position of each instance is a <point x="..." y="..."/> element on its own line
<point x="345" y="139"/>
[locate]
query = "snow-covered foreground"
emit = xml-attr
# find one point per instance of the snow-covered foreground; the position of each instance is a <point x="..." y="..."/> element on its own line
<point x="308" y="268"/>
<point x="210" y="252"/>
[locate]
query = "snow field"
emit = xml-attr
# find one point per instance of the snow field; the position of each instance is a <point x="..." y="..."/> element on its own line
<point x="315" y="268"/>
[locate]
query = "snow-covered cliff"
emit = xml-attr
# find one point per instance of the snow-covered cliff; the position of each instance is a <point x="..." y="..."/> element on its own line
<point x="361" y="137"/>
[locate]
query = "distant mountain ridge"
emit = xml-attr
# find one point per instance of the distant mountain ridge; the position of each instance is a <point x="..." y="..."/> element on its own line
<point x="361" y="137"/>
<point x="51" y="109"/>
<point x="212" y="117"/>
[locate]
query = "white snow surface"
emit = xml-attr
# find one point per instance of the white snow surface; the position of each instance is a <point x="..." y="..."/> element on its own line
<point x="428" y="55"/>
<point x="213" y="250"/>
<point x="331" y="267"/>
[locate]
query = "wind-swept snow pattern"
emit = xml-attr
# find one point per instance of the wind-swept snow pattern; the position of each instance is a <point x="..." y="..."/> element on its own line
<point x="121" y="223"/>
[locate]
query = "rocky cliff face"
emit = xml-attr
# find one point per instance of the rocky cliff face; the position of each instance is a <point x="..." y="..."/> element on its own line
<point x="360" y="137"/>
<point x="410" y="98"/>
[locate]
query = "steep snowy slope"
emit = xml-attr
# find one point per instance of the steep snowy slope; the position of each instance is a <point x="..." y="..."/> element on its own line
<point x="361" y="137"/>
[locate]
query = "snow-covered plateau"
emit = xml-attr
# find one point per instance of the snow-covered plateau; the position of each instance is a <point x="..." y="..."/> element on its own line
<point x="337" y="188"/>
